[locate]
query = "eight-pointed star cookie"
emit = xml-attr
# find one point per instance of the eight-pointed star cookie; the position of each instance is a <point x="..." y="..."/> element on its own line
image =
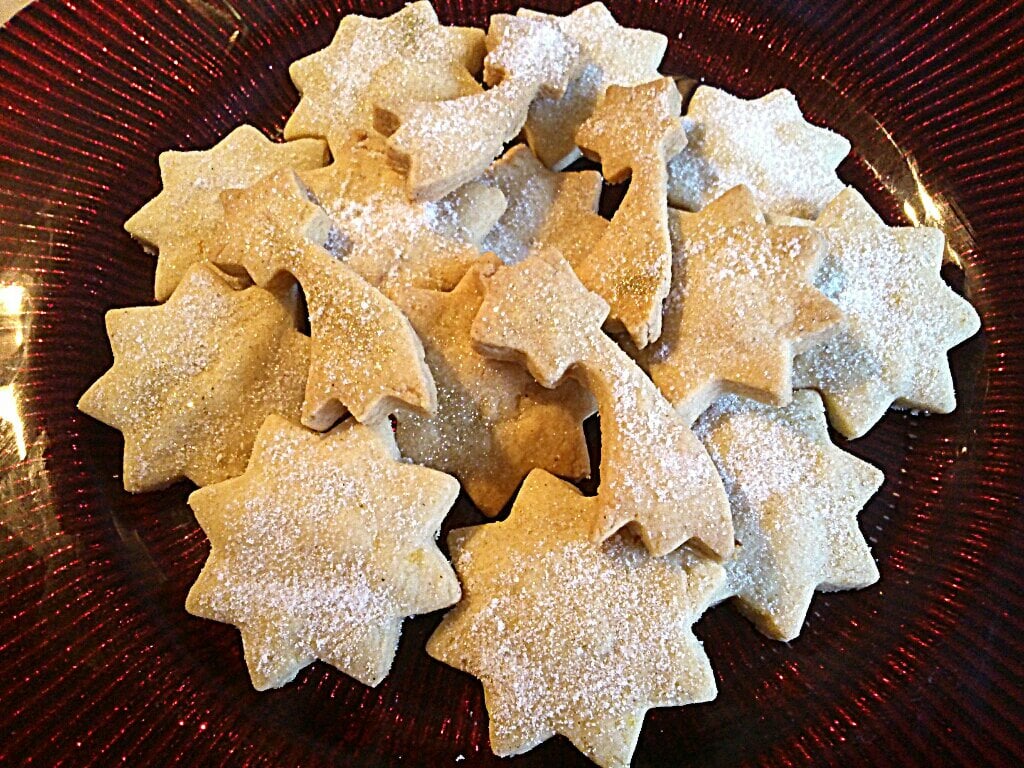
<point x="544" y="209"/>
<point x="795" y="498"/>
<point x="656" y="477"/>
<point x="902" y="319"/>
<point x="764" y="144"/>
<point x="366" y="358"/>
<point x="335" y="83"/>
<point x="194" y="378"/>
<point x="184" y="223"/>
<point x="742" y="302"/>
<point x="493" y="423"/>
<point x="571" y="637"/>
<point x="321" y="549"/>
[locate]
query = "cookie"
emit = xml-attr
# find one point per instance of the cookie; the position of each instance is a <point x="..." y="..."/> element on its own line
<point x="634" y="132"/>
<point x="795" y="498"/>
<point x="655" y="474"/>
<point x="321" y="549"/>
<point x="365" y="359"/>
<point x="444" y="144"/>
<point x="902" y="319"/>
<point x="544" y="209"/>
<point x="336" y="84"/>
<point x="764" y="144"/>
<point x="570" y="637"/>
<point x="184" y="223"/>
<point x="742" y="304"/>
<point x="493" y="423"/>
<point x="194" y="378"/>
<point x="417" y="81"/>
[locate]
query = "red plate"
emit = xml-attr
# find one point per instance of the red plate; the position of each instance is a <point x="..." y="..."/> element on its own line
<point x="99" y="663"/>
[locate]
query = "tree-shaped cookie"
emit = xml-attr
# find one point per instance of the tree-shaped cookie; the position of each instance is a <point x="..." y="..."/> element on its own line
<point x="393" y="241"/>
<point x="902" y="319"/>
<point x="194" y="378"/>
<point x="742" y="303"/>
<point x="569" y="637"/>
<point x="444" y="144"/>
<point x="544" y="209"/>
<point x="634" y="130"/>
<point x="321" y="549"/>
<point x="795" y="498"/>
<point x="185" y="221"/>
<point x="366" y="357"/>
<point x="764" y="144"/>
<point x="493" y="423"/>
<point x="336" y="82"/>
<point x="655" y="474"/>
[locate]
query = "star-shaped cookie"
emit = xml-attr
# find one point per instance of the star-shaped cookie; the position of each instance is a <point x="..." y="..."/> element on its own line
<point x="570" y="637"/>
<point x="764" y="144"/>
<point x="321" y="549"/>
<point x="366" y="358"/>
<point x="194" y="378"/>
<point x="185" y="221"/>
<point x="335" y="83"/>
<point x="902" y="319"/>
<point x="742" y="303"/>
<point x="795" y="498"/>
<point x="493" y="423"/>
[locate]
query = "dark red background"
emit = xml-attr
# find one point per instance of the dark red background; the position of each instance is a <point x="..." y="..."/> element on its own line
<point x="100" y="664"/>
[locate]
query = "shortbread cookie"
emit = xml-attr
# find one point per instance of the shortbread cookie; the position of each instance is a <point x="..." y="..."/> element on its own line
<point x="321" y="549"/>
<point x="493" y="423"/>
<point x="184" y="223"/>
<point x="417" y="81"/>
<point x="335" y="83"/>
<point x="655" y="474"/>
<point x="568" y="637"/>
<point x="442" y="145"/>
<point x="194" y="378"/>
<point x="764" y="144"/>
<point x="544" y="209"/>
<point x="902" y="319"/>
<point x="634" y="130"/>
<point x="395" y="242"/>
<point x="366" y="358"/>
<point x="795" y="498"/>
<point x="742" y="303"/>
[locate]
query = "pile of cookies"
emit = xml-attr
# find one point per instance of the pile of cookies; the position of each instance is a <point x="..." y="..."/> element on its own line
<point x="394" y="304"/>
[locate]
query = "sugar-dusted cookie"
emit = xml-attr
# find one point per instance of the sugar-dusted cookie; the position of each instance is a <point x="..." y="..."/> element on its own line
<point x="417" y="81"/>
<point x="366" y="357"/>
<point x="336" y="82"/>
<point x="764" y="144"/>
<point x="194" y="378"/>
<point x="902" y="319"/>
<point x="544" y="209"/>
<point x="185" y="221"/>
<point x="443" y="144"/>
<point x="795" y="498"/>
<point x="655" y="474"/>
<point x="321" y="549"/>
<point x="393" y="241"/>
<point x="570" y="637"/>
<point x="493" y="423"/>
<point x="634" y="130"/>
<point x="742" y="303"/>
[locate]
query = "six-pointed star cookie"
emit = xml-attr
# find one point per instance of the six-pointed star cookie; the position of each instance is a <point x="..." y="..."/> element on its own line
<point x="185" y="221"/>
<point x="493" y="423"/>
<point x="902" y="319"/>
<point x="194" y="378"/>
<point x="571" y="637"/>
<point x="321" y="549"/>
<point x="795" y="498"/>
<point x="742" y="302"/>
<point x="335" y="82"/>
<point x="764" y="144"/>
